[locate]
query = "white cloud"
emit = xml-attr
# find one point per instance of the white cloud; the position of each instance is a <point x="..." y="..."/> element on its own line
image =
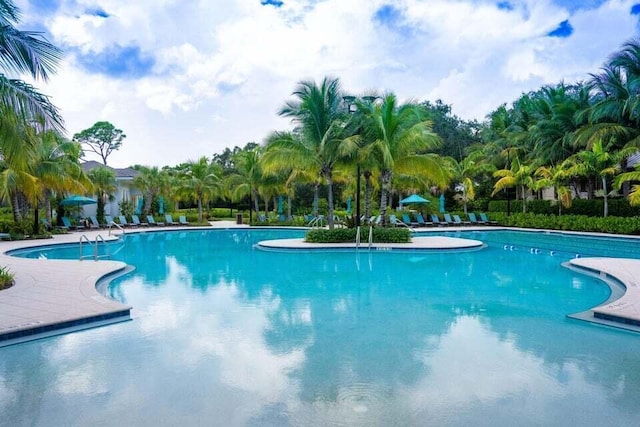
<point x="222" y="69"/>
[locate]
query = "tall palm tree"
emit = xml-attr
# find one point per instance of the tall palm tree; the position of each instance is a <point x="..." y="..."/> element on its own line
<point x="202" y="181"/>
<point x="245" y="181"/>
<point x="152" y="182"/>
<point x="634" y="194"/>
<point x="401" y="137"/>
<point x="318" y="116"/>
<point x="555" y="177"/>
<point x="600" y="162"/>
<point x="104" y="185"/>
<point x="464" y="172"/>
<point x="29" y="53"/>
<point x="518" y="174"/>
<point x="56" y="167"/>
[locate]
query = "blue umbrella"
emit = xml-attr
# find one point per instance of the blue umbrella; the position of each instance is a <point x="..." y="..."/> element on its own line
<point x="139" y="206"/>
<point x="161" y="205"/>
<point x="279" y="204"/>
<point x="441" y="205"/>
<point x="77" y="201"/>
<point x="349" y="205"/>
<point x="414" y="198"/>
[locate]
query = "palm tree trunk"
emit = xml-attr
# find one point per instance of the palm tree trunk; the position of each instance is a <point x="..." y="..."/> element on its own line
<point x="524" y="200"/>
<point x="256" y="201"/>
<point x="148" y="197"/>
<point x="199" y="208"/>
<point x="606" y="202"/>
<point x="316" y="198"/>
<point x="329" y="179"/>
<point x="367" y="194"/>
<point x="15" y="205"/>
<point x="289" y="206"/>
<point x="36" y="219"/>
<point x="386" y="179"/>
<point x="47" y="205"/>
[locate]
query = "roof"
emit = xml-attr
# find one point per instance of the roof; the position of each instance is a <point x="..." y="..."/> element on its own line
<point x="633" y="160"/>
<point x="119" y="173"/>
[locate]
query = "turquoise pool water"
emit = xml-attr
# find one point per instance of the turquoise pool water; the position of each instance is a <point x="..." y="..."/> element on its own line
<point x="224" y="334"/>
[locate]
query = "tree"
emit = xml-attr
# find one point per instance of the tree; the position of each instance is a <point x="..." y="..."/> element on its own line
<point x="152" y="182"/>
<point x="319" y="120"/>
<point x="200" y="180"/>
<point x="247" y="177"/>
<point x="518" y="174"/>
<point x="102" y="138"/>
<point x="104" y="184"/>
<point x="400" y="136"/>
<point x="26" y="52"/>
<point x="634" y="194"/>
<point x="464" y="172"/>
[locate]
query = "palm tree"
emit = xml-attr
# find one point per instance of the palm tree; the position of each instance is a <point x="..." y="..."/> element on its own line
<point x="599" y="162"/>
<point x="464" y="172"/>
<point x="247" y="178"/>
<point x="56" y="167"/>
<point x="201" y="180"/>
<point x="400" y="137"/>
<point x="518" y="174"/>
<point x="152" y="182"/>
<point x="104" y="184"/>
<point x="556" y="177"/>
<point x="634" y="194"/>
<point x="26" y="52"/>
<point x="319" y="118"/>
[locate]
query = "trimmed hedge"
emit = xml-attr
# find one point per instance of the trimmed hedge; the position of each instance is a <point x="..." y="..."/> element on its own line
<point x="595" y="207"/>
<point x="345" y="235"/>
<point x="612" y="224"/>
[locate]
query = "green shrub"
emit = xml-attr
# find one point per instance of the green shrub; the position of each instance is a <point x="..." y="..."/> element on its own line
<point x="345" y="235"/>
<point x="6" y="278"/>
<point x="595" y="207"/>
<point x="612" y="224"/>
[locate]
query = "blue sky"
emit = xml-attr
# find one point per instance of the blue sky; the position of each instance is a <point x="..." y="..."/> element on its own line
<point x="185" y="79"/>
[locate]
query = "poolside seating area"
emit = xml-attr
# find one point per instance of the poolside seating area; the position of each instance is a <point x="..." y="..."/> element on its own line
<point x="435" y="220"/>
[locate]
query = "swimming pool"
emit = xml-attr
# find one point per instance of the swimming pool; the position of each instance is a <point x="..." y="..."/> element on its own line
<point x="224" y="334"/>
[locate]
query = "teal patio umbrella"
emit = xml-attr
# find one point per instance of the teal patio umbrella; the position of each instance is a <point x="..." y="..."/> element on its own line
<point x="77" y="201"/>
<point x="414" y="198"/>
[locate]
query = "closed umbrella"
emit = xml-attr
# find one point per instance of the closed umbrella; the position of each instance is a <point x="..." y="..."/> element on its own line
<point x="441" y="204"/>
<point x="349" y="205"/>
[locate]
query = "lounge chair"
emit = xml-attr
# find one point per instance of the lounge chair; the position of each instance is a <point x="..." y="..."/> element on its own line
<point x="474" y="221"/>
<point x="135" y="220"/>
<point x="447" y="219"/>
<point x="421" y="221"/>
<point x="108" y="220"/>
<point x="66" y="223"/>
<point x="458" y="221"/>
<point x="183" y="220"/>
<point x="407" y="220"/>
<point x="152" y="221"/>
<point x="94" y="222"/>
<point x="486" y="220"/>
<point x="393" y="220"/>
<point x="123" y="221"/>
<point x="168" y="219"/>
<point x="436" y="220"/>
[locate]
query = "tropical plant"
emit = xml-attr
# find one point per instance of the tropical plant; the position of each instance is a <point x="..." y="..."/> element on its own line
<point x="201" y="181"/>
<point x="401" y="136"/>
<point x="104" y="184"/>
<point x="518" y="174"/>
<point x="30" y="53"/>
<point x="245" y="181"/>
<point x="634" y="194"/>
<point x="152" y="182"/>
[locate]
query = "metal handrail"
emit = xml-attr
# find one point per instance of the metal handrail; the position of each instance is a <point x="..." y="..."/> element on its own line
<point x="370" y="237"/>
<point x="95" y="249"/>
<point x="83" y="238"/>
<point x="117" y="226"/>
<point x="357" y="237"/>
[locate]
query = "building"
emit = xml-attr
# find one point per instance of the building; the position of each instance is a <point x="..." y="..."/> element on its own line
<point x="125" y="190"/>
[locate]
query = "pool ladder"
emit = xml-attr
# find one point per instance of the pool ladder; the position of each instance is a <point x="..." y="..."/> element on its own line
<point x="95" y="255"/>
<point x="358" y="237"/>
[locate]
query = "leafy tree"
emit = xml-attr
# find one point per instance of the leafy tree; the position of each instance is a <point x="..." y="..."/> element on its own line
<point x="201" y="180"/>
<point x="464" y="172"/>
<point x="518" y="174"/>
<point x="152" y="182"/>
<point x="319" y="119"/>
<point x="102" y="138"/>
<point x="104" y="184"/>
<point x="26" y="52"/>
<point x="634" y="194"/>
<point x="400" y="134"/>
<point x="247" y="178"/>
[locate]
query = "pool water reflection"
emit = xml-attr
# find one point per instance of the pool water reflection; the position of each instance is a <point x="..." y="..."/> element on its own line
<point x="224" y="334"/>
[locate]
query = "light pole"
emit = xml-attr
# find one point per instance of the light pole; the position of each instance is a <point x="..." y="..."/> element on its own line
<point x="349" y="100"/>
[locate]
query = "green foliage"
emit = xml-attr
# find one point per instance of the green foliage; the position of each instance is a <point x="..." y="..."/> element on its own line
<point x="126" y="208"/>
<point x="611" y="224"/>
<point x="102" y="138"/>
<point x="345" y="235"/>
<point x="6" y="278"/>
<point x="593" y="208"/>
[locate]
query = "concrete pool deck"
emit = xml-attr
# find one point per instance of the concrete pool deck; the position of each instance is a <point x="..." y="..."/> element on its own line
<point x="51" y="297"/>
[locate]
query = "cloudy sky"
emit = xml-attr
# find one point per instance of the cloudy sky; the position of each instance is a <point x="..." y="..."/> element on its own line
<point x="187" y="78"/>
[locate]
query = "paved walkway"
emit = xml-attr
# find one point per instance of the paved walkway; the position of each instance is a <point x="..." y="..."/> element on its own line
<point x="55" y="296"/>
